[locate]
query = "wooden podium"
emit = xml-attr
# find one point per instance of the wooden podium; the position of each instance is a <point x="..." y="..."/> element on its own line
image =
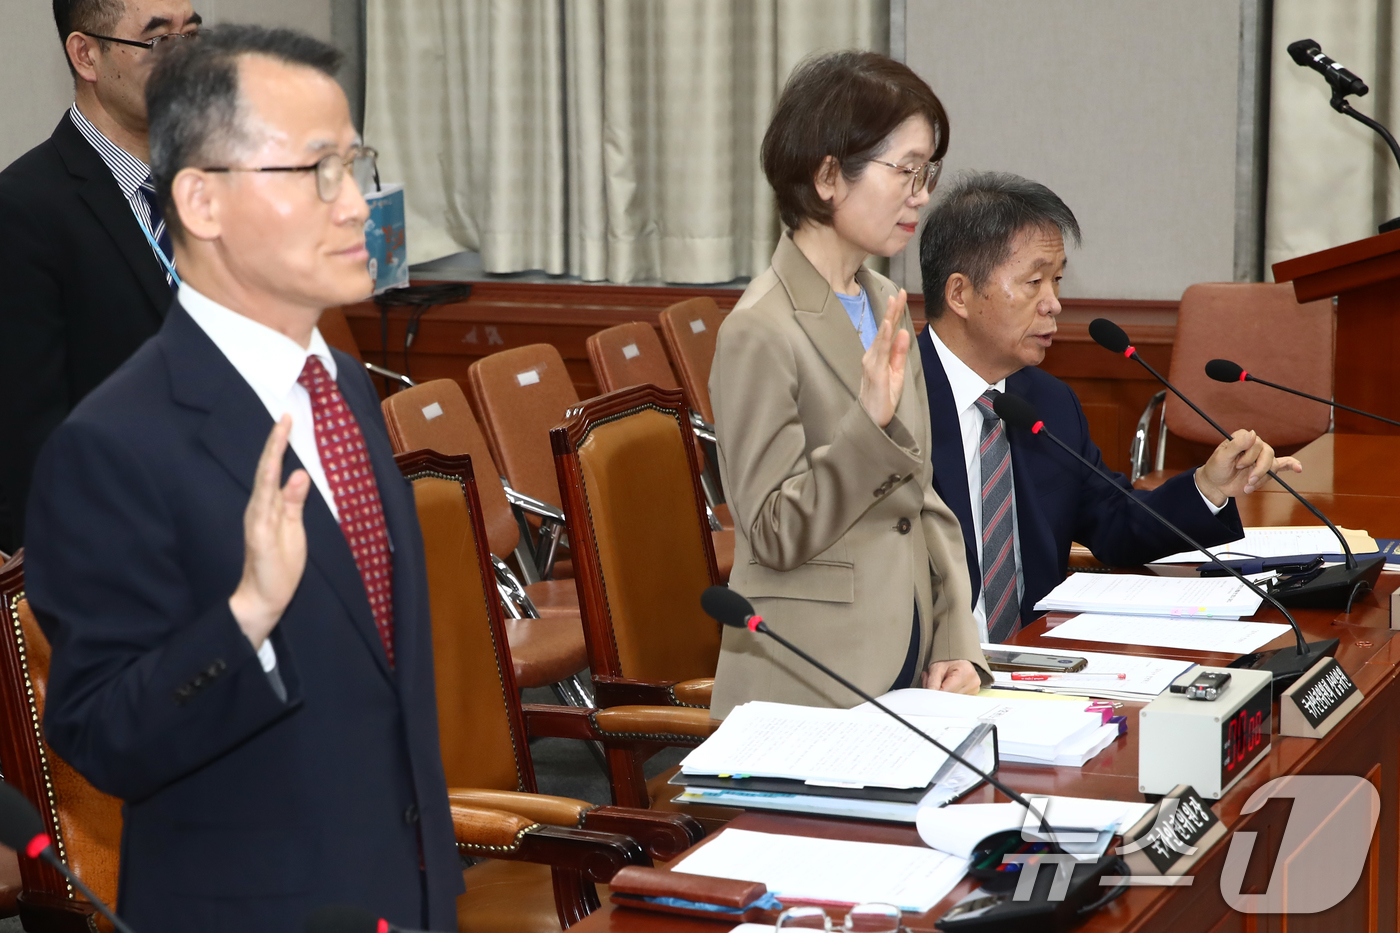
<point x="1365" y="278"/>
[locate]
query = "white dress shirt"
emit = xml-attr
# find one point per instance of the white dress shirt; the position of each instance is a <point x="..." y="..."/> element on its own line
<point x="967" y="388"/>
<point x="131" y="175"/>
<point x="270" y="363"/>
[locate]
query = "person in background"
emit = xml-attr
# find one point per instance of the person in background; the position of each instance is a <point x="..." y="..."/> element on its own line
<point x="992" y="256"/>
<point x="84" y="285"/>
<point x="841" y="542"/>
<point x="222" y="552"/>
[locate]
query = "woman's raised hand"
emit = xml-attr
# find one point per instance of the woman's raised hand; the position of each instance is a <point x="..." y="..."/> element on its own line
<point x="882" y="367"/>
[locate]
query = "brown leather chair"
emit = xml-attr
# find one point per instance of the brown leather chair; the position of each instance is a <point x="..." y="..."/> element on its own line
<point x="546" y="629"/>
<point x="632" y="355"/>
<point x="84" y="823"/>
<point x="689" y="328"/>
<point x="1264" y="329"/>
<point x="10" y="883"/>
<point x="519" y="395"/>
<point x="643" y="552"/>
<point x="483" y="727"/>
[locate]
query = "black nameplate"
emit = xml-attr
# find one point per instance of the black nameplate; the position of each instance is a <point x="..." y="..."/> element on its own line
<point x="1322" y="692"/>
<point x="1174" y="837"/>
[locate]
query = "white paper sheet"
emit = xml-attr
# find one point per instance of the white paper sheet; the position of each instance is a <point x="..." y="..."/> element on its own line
<point x="831" y="870"/>
<point x="1027" y="730"/>
<point x="1280" y="542"/>
<point x="804" y="743"/>
<point x="1147" y="677"/>
<point x="1142" y="594"/>
<point x="957" y="829"/>
<point x="1192" y="634"/>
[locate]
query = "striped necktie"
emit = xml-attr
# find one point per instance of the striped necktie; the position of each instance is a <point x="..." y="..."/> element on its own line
<point x="159" y="233"/>
<point x="998" y="507"/>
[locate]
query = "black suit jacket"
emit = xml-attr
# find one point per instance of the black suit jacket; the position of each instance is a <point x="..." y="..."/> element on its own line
<point x="1058" y="500"/>
<point x="242" y="812"/>
<point x="82" y="290"/>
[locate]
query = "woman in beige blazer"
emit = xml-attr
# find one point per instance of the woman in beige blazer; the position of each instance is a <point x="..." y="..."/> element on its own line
<point x="821" y="412"/>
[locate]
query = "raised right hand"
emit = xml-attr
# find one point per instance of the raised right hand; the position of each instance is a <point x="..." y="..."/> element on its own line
<point x="882" y="366"/>
<point x="274" y="541"/>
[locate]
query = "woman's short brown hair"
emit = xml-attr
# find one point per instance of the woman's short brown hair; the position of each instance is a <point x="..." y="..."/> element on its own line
<point x="844" y="105"/>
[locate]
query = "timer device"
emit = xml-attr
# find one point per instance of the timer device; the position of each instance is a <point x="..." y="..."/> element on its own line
<point x="1208" y="745"/>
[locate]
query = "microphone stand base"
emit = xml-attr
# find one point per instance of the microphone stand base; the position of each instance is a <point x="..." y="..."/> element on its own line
<point x="1336" y="587"/>
<point x="1000" y="913"/>
<point x="1286" y="664"/>
<point x="1391" y="224"/>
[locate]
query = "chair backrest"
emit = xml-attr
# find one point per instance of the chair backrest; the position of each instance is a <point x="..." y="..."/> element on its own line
<point x="435" y="416"/>
<point x="480" y="728"/>
<point x="1264" y="329"/>
<point x="518" y="396"/>
<point x="84" y="823"/>
<point x="629" y="474"/>
<point x="630" y="355"/>
<point x="689" y="328"/>
<point x="336" y="331"/>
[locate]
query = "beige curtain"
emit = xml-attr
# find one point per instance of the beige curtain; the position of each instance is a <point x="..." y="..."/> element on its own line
<point x="1331" y="180"/>
<point x="608" y="139"/>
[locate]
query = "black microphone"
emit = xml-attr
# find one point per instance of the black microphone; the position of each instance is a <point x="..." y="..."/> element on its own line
<point x="347" y="918"/>
<point x="22" y="829"/>
<point x="1285" y="667"/>
<point x="730" y="608"/>
<point x="1227" y="371"/>
<point x="1333" y="587"/>
<point x="1040" y="911"/>
<point x="1308" y="54"/>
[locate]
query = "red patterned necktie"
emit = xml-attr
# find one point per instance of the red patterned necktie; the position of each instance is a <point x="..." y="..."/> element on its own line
<point x="351" y="478"/>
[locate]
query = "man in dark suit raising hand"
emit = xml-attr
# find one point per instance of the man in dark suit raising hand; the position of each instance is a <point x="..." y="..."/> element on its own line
<point x="241" y="642"/>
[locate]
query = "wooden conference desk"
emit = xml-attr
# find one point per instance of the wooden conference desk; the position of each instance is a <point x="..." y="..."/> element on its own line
<point x="1356" y="480"/>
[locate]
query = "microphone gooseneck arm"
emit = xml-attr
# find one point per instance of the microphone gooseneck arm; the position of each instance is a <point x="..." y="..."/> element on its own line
<point x="1246" y="376"/>
<point x="48" y="855"/>
<point x="731" y="608"/>
<point x="1131" y="353"/>
<point x="1039" y="428"/>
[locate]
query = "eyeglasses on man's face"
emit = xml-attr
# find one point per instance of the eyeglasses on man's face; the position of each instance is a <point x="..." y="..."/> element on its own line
<point x="330" y="170"/>
<point x="145" y="43"/>
<point x="923" y="176"/>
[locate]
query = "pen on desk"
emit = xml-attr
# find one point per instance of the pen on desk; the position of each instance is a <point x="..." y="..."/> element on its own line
<point x="1025" y="676"/>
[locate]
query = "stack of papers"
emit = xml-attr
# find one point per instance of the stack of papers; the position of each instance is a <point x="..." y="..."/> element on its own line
<point x="1145" y="595"/>
<point x="1281" y="541"/>
<point x="1147" y="677"/>
<point x="1190" y="634"/>
<point x="833" y="762"/>
<point x="1085" y="826"/>
<point x="1028" y="731"/>
<point x="803" y="868"/>
<point x="820" y="746"/>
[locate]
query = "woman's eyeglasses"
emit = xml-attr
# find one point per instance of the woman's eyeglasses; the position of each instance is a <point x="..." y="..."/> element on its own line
<point x="925" y="176"/>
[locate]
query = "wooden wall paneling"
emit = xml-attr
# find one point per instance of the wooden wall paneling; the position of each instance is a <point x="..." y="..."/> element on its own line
<point x="502" y="315"/>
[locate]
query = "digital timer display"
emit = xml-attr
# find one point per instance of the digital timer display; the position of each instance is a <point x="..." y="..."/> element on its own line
<point x="1245" y="735"/>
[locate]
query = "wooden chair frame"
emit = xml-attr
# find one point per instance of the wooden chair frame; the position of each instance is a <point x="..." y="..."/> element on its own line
<point x="611" y="687"/>
<point x="576" y="867"/>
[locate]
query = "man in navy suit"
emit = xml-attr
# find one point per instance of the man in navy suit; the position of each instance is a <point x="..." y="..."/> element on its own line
<point x="240" y="631"/>
<point x="992" y="255"/>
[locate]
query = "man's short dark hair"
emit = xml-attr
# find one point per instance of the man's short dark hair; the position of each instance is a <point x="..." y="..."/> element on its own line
<point x="973" y="229"/>
<point x="87" y="16"/>
<point x="844" y="105"/>
<point x="192" y="98"/>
